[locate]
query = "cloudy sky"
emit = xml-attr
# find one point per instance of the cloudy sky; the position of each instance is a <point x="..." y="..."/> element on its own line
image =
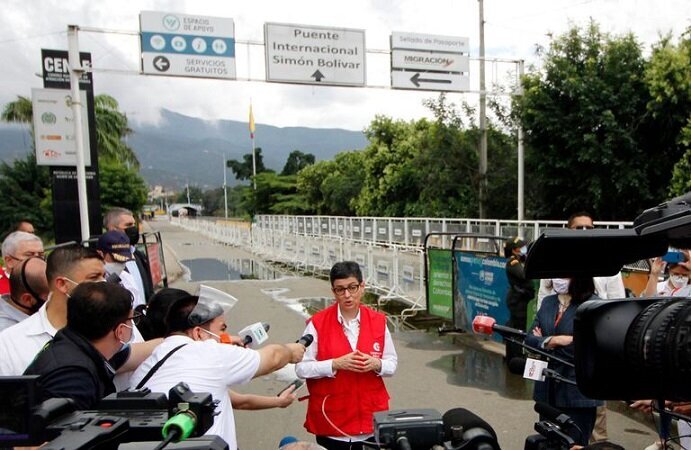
<point x="512" y="31"/>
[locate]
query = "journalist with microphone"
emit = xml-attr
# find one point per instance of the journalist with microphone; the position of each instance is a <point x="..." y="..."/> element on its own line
<point x="194" y="351"/>
<point x="553" y="332"/>
<point x="351" y="351"/>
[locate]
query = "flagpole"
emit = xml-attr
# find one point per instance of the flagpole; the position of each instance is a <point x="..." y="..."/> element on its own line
<point x="254" y="159"/>
<point x="225" y="191"/>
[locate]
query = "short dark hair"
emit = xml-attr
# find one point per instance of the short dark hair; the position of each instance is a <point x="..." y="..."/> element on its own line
<point x="177" y="318"/>
<point x="63" y="260"/>
<point x="345" y="269"/>
<point x="94" y="309"/>
<point x="153" y="324"/>
<point x="581" y="289"/>
<point x="577" y="214"/>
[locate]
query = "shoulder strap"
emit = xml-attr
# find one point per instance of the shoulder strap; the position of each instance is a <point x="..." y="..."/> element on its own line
<point x="158" y="366"/>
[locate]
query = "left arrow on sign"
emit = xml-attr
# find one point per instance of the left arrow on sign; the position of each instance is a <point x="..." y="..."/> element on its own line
<point x="416" y="80"/>
<point x="161" y="63"/>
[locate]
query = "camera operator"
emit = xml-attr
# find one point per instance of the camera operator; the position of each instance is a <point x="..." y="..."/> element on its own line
<point x="75" y="363"/>
<point x="553" y="331"/>
<point x="677" y="282"/>
<point x="192" y="352"/>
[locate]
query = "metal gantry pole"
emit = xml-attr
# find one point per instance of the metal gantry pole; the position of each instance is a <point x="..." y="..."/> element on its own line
<point x="225" y="190"/>
<point x="483" y="117"/>
<point x="76" y="71"/>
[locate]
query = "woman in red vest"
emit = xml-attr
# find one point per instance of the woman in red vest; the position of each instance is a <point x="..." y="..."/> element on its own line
<point x="351" y="352"/>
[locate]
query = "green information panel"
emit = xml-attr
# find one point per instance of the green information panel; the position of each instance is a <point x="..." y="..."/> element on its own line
<point x="439" y="283"/>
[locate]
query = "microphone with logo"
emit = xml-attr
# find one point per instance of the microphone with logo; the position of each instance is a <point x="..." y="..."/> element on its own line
<point x="255" y="334"/>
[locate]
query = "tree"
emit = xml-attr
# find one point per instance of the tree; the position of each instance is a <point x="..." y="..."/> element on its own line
<point x="24" y="186"/>
<point x="243" y="170"/>
<point x="121" y="187"/>
<point x="19" y="110"/>
<point x="111" y="129"/>
<point x="332" y="187"/>
<point x="296" y="162"/>
<point x="584" y="121"/>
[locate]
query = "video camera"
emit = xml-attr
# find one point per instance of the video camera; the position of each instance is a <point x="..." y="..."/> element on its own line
<point x="129" y="416"/>
<point x="423" y="429"/>
<point x="625" y="349"/>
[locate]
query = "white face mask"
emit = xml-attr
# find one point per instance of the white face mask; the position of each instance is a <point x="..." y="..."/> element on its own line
<point x="114" y="267"/>
<point x="678" y="281"/>
<point x="561" y="285"/>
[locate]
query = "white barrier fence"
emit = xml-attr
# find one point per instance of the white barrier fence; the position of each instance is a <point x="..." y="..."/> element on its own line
<point x="389" y="250"/>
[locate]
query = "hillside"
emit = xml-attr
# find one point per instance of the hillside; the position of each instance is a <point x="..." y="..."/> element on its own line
<point x="182" y="148"/>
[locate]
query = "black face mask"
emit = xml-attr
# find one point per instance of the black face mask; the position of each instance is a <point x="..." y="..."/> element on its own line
<point x="132" y="233"/>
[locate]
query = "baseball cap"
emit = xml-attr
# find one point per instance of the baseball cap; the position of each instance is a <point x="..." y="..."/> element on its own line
<point x="117" y="244"/>
<point x="514" y="242"/>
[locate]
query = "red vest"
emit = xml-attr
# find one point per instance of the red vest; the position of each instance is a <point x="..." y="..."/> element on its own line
<point x="350" y="398"/>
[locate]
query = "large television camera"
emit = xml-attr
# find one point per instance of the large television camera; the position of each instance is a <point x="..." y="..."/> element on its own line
<point x="140" y="417"/>
<point x="625" y="349"/>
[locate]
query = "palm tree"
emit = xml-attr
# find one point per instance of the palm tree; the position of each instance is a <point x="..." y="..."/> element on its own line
<point x="111" y="127"/>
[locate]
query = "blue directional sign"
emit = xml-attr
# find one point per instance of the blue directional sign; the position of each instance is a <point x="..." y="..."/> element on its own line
<point x="188" y="46"/>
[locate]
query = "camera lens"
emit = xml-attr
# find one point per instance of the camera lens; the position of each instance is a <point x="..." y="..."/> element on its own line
<point x="658" y="345"/>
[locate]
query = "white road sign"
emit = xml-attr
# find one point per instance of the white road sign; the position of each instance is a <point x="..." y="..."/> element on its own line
<point x="187" y="46"/>
<point x="420" y="60"/>
<point x="429" y="81"/>
<point x="54" y="127"/>
<point x="430" y="42"/>
<point x="314" y="55"/>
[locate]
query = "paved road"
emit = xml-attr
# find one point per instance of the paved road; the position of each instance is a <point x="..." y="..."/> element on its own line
<point x="434" y="372"/>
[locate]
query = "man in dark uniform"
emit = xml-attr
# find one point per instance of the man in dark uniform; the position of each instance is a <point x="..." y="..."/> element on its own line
<point x="521" y="290"/>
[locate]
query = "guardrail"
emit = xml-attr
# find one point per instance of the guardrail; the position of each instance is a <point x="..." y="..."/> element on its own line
<point x="389" y="250"/>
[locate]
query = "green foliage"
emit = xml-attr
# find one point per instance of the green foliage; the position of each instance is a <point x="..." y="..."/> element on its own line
<point x="111" y="128"/>
<point x="296" y="162"/>
<point x="332" y="187"/>
<point x="243" y="170"/>
<point x="20" y="110"/>
<point x="196" y="195"/>
<point x="589" y="145"/>
<point x="24" y="186"/>
<point x="121" y="187"/>
<point x="681" y="176"/>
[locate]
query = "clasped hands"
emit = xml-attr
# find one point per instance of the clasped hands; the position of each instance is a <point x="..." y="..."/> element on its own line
<point x="357" y="362"/>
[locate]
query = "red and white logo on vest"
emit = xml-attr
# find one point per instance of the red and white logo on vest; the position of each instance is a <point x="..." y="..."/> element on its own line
<point x="376" y="350"/>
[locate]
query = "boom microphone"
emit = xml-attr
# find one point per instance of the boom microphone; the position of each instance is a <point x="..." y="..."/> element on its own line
<point x="461" y="425"/>
<point x="255" y="334"/>
<point x="305" y="340"/>
<point x="487" y="325"/>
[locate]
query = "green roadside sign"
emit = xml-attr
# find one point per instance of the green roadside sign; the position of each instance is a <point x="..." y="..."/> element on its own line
<point x="440" y="283"/>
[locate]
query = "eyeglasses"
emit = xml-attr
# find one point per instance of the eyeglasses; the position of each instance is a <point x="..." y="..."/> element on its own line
<point x="352" y="289"/>
<point x="136" y="318"/>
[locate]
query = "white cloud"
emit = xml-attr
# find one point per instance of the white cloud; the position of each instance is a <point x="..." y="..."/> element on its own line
<point x="512" y="31"/>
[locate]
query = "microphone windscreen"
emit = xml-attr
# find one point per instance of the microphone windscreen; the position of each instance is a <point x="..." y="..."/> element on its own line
<point x="287" y="440"/>
<point x="517" y="365"/>
<point x="464" y="418"/>
<point x="266" y="326"/>
<point x="548" y="411"/>
<point x="306" y="340"/>
<point x="483" y="324"/>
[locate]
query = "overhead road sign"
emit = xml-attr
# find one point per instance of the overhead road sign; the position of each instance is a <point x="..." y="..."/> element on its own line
<point x="314" y="55"/>
<point x="420" y="60"/>
<point x="429" y="62"/>
<point x="187" y="46"/>
<point x="430" y="81"/>
<point x="430" y="42"/>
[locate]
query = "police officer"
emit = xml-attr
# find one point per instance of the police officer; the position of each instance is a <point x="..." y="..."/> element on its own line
<point x="521" y="290"/>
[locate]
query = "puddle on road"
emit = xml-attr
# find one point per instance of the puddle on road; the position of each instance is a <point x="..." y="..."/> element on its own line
<point x="212" y="269"/>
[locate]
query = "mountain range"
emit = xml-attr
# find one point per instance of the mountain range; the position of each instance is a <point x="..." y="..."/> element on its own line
<point x="181" y="149"/>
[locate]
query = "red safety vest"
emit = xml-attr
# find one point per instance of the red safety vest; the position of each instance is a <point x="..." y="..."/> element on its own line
<point x="349" y="399"/>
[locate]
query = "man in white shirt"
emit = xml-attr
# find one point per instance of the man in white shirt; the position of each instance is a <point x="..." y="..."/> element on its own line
<point x="114" y="247"/>
<point x="66" y="268"/>
<point x="192" y="352"/>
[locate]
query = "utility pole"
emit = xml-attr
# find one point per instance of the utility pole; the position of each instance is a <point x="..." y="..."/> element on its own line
<point x="225" y="191"/>
<point x="521" y="158"/>
<point x="76" y="71"/>
<point x="483" y="117"/>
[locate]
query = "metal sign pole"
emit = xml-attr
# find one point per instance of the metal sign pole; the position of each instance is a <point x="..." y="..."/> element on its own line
<point x="225" y="191"/>
<point x="76" y="71"/>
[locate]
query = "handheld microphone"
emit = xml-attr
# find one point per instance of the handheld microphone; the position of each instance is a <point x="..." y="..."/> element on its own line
<point x="517" y="365"/>
<point x="305" y="340"/>
<point x="488" y="325"/>
<point x="255" y="334"/>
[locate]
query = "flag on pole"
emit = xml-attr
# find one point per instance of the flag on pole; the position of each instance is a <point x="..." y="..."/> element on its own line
<point x="251" y="123"/>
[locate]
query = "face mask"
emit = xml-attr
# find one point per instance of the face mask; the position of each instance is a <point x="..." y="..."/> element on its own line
<point x="114" y="267"/>
<point x="523" y="251"/>
<point x="132" y="233"/>
<point x="223" y="338"/>
<point x="130" y="340"/>
<point x="679" y="281"/>
<point x="561" y="285"/>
